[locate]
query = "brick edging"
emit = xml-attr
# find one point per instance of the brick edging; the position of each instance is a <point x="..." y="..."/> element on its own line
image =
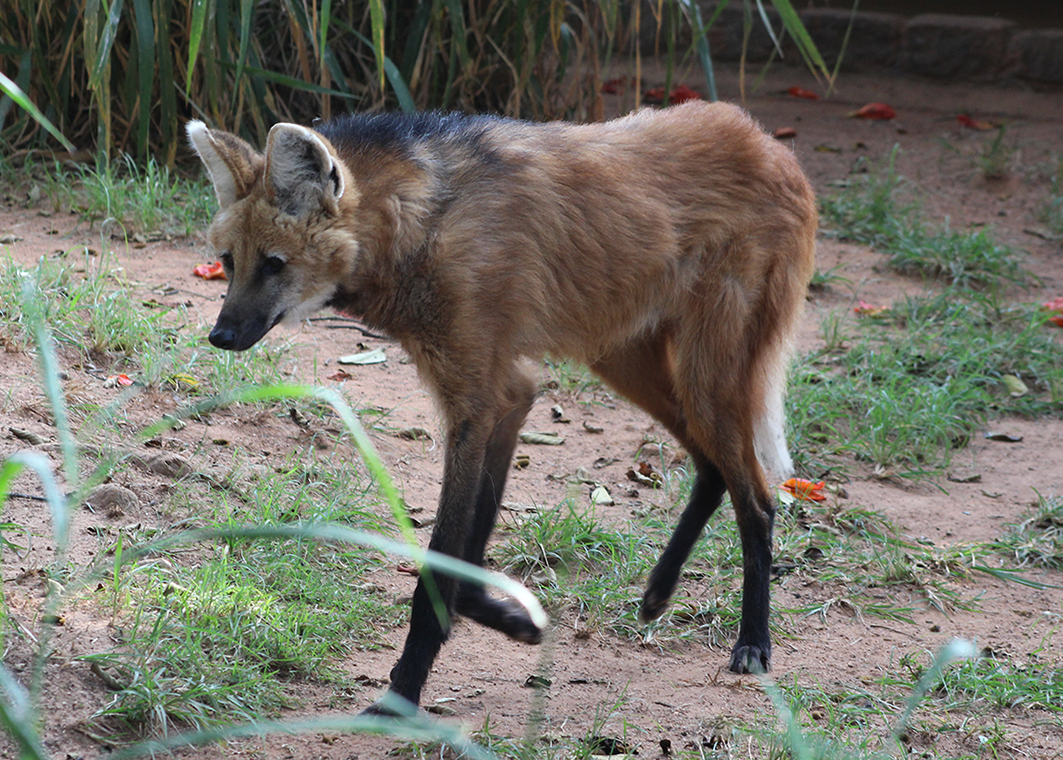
<point x="940" y="46"/>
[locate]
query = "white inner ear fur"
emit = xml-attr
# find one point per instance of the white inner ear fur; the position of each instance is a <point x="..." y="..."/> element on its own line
<point x="302" y="170"/>
<point x="220" y="174"/>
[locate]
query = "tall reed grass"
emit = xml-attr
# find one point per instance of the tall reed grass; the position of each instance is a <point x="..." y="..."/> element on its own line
<point x="118" y="76"/>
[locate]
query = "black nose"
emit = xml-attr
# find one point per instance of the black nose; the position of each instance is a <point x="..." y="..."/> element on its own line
<point x="222" y="337"/>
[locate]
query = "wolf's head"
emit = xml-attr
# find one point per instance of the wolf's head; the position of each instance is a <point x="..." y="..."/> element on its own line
<point x="278" y="231"/>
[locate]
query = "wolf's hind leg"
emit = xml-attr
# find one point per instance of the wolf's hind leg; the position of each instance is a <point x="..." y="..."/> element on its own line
<point x="705" y="497"/>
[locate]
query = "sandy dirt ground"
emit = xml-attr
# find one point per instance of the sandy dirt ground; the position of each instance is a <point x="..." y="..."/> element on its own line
<point x="680" y="693"/>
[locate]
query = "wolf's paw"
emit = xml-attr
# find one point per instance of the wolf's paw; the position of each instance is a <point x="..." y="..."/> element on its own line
<point x="515" y="622"/>
<point x="654" y="603"/>
<point x="391" y="705"/>
<point x="503" y="615"/>
<point x="749" y="658"/>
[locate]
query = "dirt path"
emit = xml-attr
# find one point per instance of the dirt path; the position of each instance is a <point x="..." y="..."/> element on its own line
<point x="682" y="694"/>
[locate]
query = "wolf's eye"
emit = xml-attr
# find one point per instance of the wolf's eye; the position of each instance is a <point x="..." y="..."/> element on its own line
<point x="272" y="265"/>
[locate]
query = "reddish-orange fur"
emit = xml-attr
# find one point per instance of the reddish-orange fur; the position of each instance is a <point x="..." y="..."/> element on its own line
<point x="669" y="250"/>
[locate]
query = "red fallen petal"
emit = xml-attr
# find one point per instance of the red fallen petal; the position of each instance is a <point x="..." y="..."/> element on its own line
<point x="408" y="569"/>
<point x="656" y="95"/>
<point x="1055" y="306"/>
<point x="805" y="489"/>
<point x="866" y="309"/>
<point x="784" y="133"/>
<point x="614" y="86"/>
<point x="122" y="379"/>
<point x="874" y="111"/>
<point x="967" y="121"/>
<point x="213" y="271"/>
<point x="340" y="375"/>
<point x="801" y="92"/>
<point x="682" y="94"/>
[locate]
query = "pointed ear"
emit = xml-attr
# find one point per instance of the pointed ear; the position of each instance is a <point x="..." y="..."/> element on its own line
<point x="233" y="165"/>
<point x="302" y="172"/>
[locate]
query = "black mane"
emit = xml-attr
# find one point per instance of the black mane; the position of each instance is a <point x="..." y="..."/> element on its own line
<point x="396" y="131"/>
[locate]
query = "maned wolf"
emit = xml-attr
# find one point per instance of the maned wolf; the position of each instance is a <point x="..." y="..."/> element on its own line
<point x="668" y="250"/>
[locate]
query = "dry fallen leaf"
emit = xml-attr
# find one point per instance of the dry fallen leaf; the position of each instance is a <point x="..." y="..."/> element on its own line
<point x="28" y="436"/>
<point x="1003" y="437"/>
<point x="680" y="94"/>
<point x="1016" y="387"/>
<point x="375" y="356"/>
<point x="966" y="121"/>
<point x="600" y="496"/>
<point x="646" y="474"/>
<point x="414" y="434"/>
<point x="801" y="92"/>
<point x="543" y="439"/>
<point x="874" y="111"/>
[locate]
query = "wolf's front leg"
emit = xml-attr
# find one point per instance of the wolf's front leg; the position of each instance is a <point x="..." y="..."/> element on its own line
<point x="435" y="596"/>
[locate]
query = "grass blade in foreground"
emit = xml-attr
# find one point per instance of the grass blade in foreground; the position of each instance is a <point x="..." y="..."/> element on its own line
<point x="14" y="92"/>
<point x="957" y="649"/>
<point x="331" y="532"/>
<point x="412" y="726"/>
<point x="801" y="748"/>
<point x="16" y="715"/>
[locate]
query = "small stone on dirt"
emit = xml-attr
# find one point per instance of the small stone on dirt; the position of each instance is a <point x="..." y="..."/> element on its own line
<point x="965" y="475"/>
<point x="168" y="464"/>
<point x="116" y="500"/>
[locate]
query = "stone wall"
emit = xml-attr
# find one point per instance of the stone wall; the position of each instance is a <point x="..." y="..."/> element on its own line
<point x="940" y="46"/>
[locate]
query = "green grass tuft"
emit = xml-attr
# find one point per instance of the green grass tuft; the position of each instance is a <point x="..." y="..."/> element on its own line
<point x="871" y="211"/>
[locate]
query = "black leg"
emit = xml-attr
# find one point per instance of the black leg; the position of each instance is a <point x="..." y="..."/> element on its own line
<point x="474" y="474"/>
<point x="756" y="516"/>
<point x="436" y="593"/>
<point x="705" y="497"/>
<point x="473" y="601"/>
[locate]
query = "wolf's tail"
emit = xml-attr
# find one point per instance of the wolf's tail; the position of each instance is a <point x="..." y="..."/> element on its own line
<point x="769" y="431"/>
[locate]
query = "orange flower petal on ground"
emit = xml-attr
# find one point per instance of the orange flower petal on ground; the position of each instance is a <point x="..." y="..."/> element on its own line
<point x="879" y="111"/>
<point x="801" y="92"/>
<point x="213" y="271"/>
<point x="682" y="94"/>
<point x="966" y="121"/>
<point x="1055" y="306"/>
<point x="865" y="309"/>
<point x="805" y="490"/>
